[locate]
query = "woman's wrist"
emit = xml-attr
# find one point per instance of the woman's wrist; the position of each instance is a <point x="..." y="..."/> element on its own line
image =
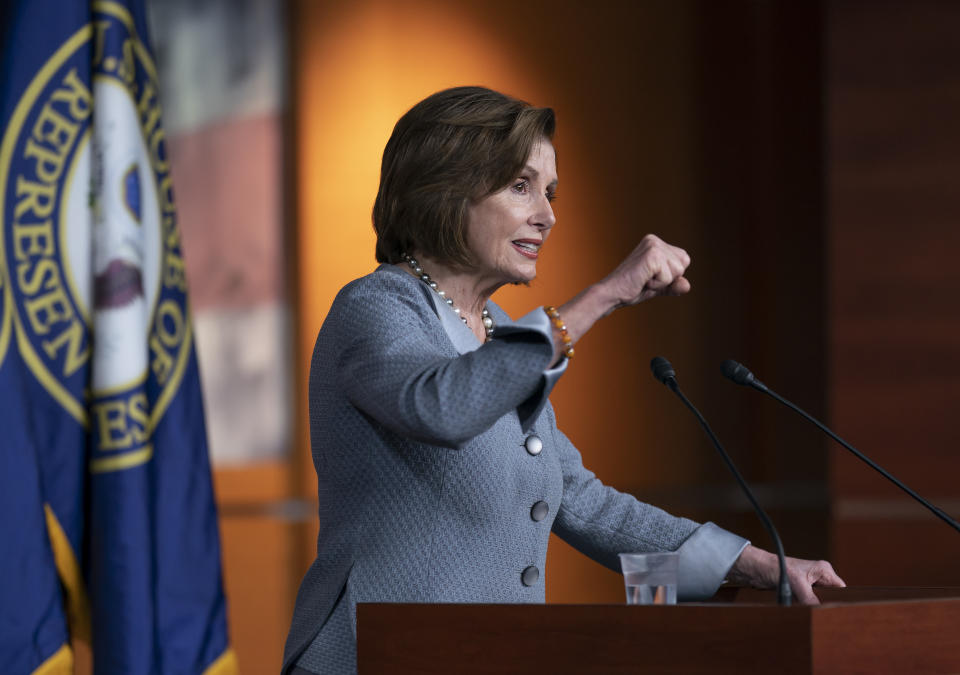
<point x="577" y="316"/>
<point x="605" y="298"/>
<point x="586" y="308"/>
<point x="755" y="567"/>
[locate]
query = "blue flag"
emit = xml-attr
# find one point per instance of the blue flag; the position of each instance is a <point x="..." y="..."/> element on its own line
<point x="104" y="457"/>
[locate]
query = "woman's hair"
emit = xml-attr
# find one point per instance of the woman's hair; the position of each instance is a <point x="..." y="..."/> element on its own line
<point x="450" y="149"/>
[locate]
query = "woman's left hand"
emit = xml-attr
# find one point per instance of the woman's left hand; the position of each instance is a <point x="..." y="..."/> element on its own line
<point x="761" y="569"/>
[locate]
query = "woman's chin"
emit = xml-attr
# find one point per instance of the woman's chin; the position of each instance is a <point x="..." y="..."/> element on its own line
<point x="524" y="276"/>
<point x="526" y="271"/>
<point x="517" y="274"/>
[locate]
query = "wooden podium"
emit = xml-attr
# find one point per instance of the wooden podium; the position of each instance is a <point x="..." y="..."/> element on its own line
<point x="855" y="630"/>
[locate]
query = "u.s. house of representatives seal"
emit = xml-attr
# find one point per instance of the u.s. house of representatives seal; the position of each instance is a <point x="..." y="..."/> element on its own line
<point x="91" y="252"/>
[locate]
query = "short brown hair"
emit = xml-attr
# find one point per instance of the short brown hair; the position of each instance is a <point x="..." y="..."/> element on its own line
<point x="456" y="146"/>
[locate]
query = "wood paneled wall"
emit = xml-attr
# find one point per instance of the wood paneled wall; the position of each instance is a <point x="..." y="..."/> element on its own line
<point x="894" y="177"/>
<point x="760" y="202"/>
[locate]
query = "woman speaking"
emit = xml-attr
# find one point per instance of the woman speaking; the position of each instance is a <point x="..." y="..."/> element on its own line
<point x="440" y="468"/>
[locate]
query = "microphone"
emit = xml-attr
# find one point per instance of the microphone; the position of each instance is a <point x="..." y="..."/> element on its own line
<point x="663" y="371"/>
<point x="739" y="374"/>
<point x="742" y="375"/>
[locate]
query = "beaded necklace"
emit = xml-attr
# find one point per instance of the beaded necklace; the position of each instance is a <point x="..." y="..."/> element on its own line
<point x="488" y="324"/>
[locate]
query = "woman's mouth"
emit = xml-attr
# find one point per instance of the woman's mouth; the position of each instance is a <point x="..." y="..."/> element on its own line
<point x="529" y="248"/>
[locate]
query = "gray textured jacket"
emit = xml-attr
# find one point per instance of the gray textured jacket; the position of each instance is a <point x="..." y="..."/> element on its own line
<point x="427" y="476"/>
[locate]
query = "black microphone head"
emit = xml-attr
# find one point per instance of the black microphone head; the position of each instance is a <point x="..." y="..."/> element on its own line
<point x="736" y="372"/>
<point x="662" y="370"/>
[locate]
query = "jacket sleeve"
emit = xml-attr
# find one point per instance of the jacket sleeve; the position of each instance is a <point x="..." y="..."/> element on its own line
<point x="602" y="522"/>
<point x="397" y="365"/>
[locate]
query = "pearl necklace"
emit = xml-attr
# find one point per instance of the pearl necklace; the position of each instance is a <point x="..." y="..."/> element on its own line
<point x="488" y="324"/>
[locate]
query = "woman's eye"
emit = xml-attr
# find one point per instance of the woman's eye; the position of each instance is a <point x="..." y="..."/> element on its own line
<point x="551" y="197"/>
<point x="521" y="186"/>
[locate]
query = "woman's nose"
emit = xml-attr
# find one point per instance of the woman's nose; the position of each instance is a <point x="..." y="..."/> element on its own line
<point x="543" y="217"/>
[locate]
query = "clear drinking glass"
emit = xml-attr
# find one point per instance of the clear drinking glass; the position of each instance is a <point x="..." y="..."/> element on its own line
<point x="650" y="578"/>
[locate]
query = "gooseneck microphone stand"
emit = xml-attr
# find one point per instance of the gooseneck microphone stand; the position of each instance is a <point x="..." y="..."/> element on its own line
<point x="663" y="371"/>
<point x="740" y="374"/>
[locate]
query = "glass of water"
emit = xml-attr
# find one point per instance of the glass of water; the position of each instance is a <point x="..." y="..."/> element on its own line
<point x="650" y="578"/>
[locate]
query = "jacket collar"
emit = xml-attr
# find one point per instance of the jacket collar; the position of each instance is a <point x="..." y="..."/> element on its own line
<point x="457" y="331"/>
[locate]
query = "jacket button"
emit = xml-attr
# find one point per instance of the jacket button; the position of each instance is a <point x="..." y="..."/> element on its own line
<point x="530" y="575"/>
<point x="539" y="511"/>
<point x="533" y="444"/>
